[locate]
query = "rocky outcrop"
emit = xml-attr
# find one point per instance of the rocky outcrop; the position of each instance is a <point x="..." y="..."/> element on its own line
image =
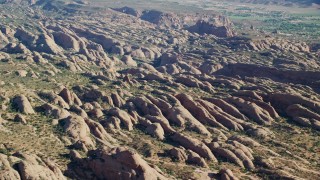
<point x="129" y="61"/>
<point x="161" y="19"/>
<point x="117" y="101"/>
<point x="78" y="130"/>
<point x="194" y="158"/>
<point x="138" y="54"/>
<point x="226" y="174"/>
<point x="191" y="81"/>
<point x="281" y="101"/>
<point x="23" y="105"/>
<point x="54" y="111"/>
<point x="21" y="119"/>
<point x="46" y="44"/>
<point x="7" y="172"/>
<point x="33" y="167"/>
<point x="224" y="119"/>
<point x="25" y="36"/>
<point x="278" y="75"/>
<point x="70" y="97"/>
<point x="66" y="41"/>
<point x="125" y="118"/>
<point x="192" y="100"/>
<point x="197" y="110"/>
<point x="170" y="58"/>
<point x="156" y="130"/>
<point x="129" y="10"/>
<point x="182" y="117"/>
<point x="178" y="154"/>
<point x="117" y="163"/>
<point x="297" y="110"/>
<point x="54" y="99"/>
<point x="227" y="154"/>
<point x="278" y="44"/>
<point x="245" y="140"/>
<point x="252" y="110"/>
<point x="98" y="131"/>
<point x="14" y="48"/>
<point x="220" y="27"/>
<point x="194" y="145"/>
<point x="303" y="116"/>
<point x="226" y="107"/>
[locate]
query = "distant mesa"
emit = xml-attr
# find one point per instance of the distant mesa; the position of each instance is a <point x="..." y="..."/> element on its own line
<point x="128" y="10"/>
<point x="205" y="27"/>
<point x="219" y="26"/>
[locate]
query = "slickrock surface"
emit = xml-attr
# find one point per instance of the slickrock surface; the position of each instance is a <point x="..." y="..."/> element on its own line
<point x="125" y="93"/>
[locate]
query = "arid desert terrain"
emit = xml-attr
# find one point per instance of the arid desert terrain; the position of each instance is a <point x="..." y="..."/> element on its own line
<point x="159" y="89"/>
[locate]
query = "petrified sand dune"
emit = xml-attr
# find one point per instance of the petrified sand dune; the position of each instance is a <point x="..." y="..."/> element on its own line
<point x="163" y="90"/>
<point x="118" y="163"/>
<point x="23" y="105"/>
<point x="195" y="145"/>
<point x="32" y="167"/>
<point x="7" y="172"/>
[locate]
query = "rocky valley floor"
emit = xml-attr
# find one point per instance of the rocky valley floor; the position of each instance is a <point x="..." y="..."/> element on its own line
<point x="129" y="93"/>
